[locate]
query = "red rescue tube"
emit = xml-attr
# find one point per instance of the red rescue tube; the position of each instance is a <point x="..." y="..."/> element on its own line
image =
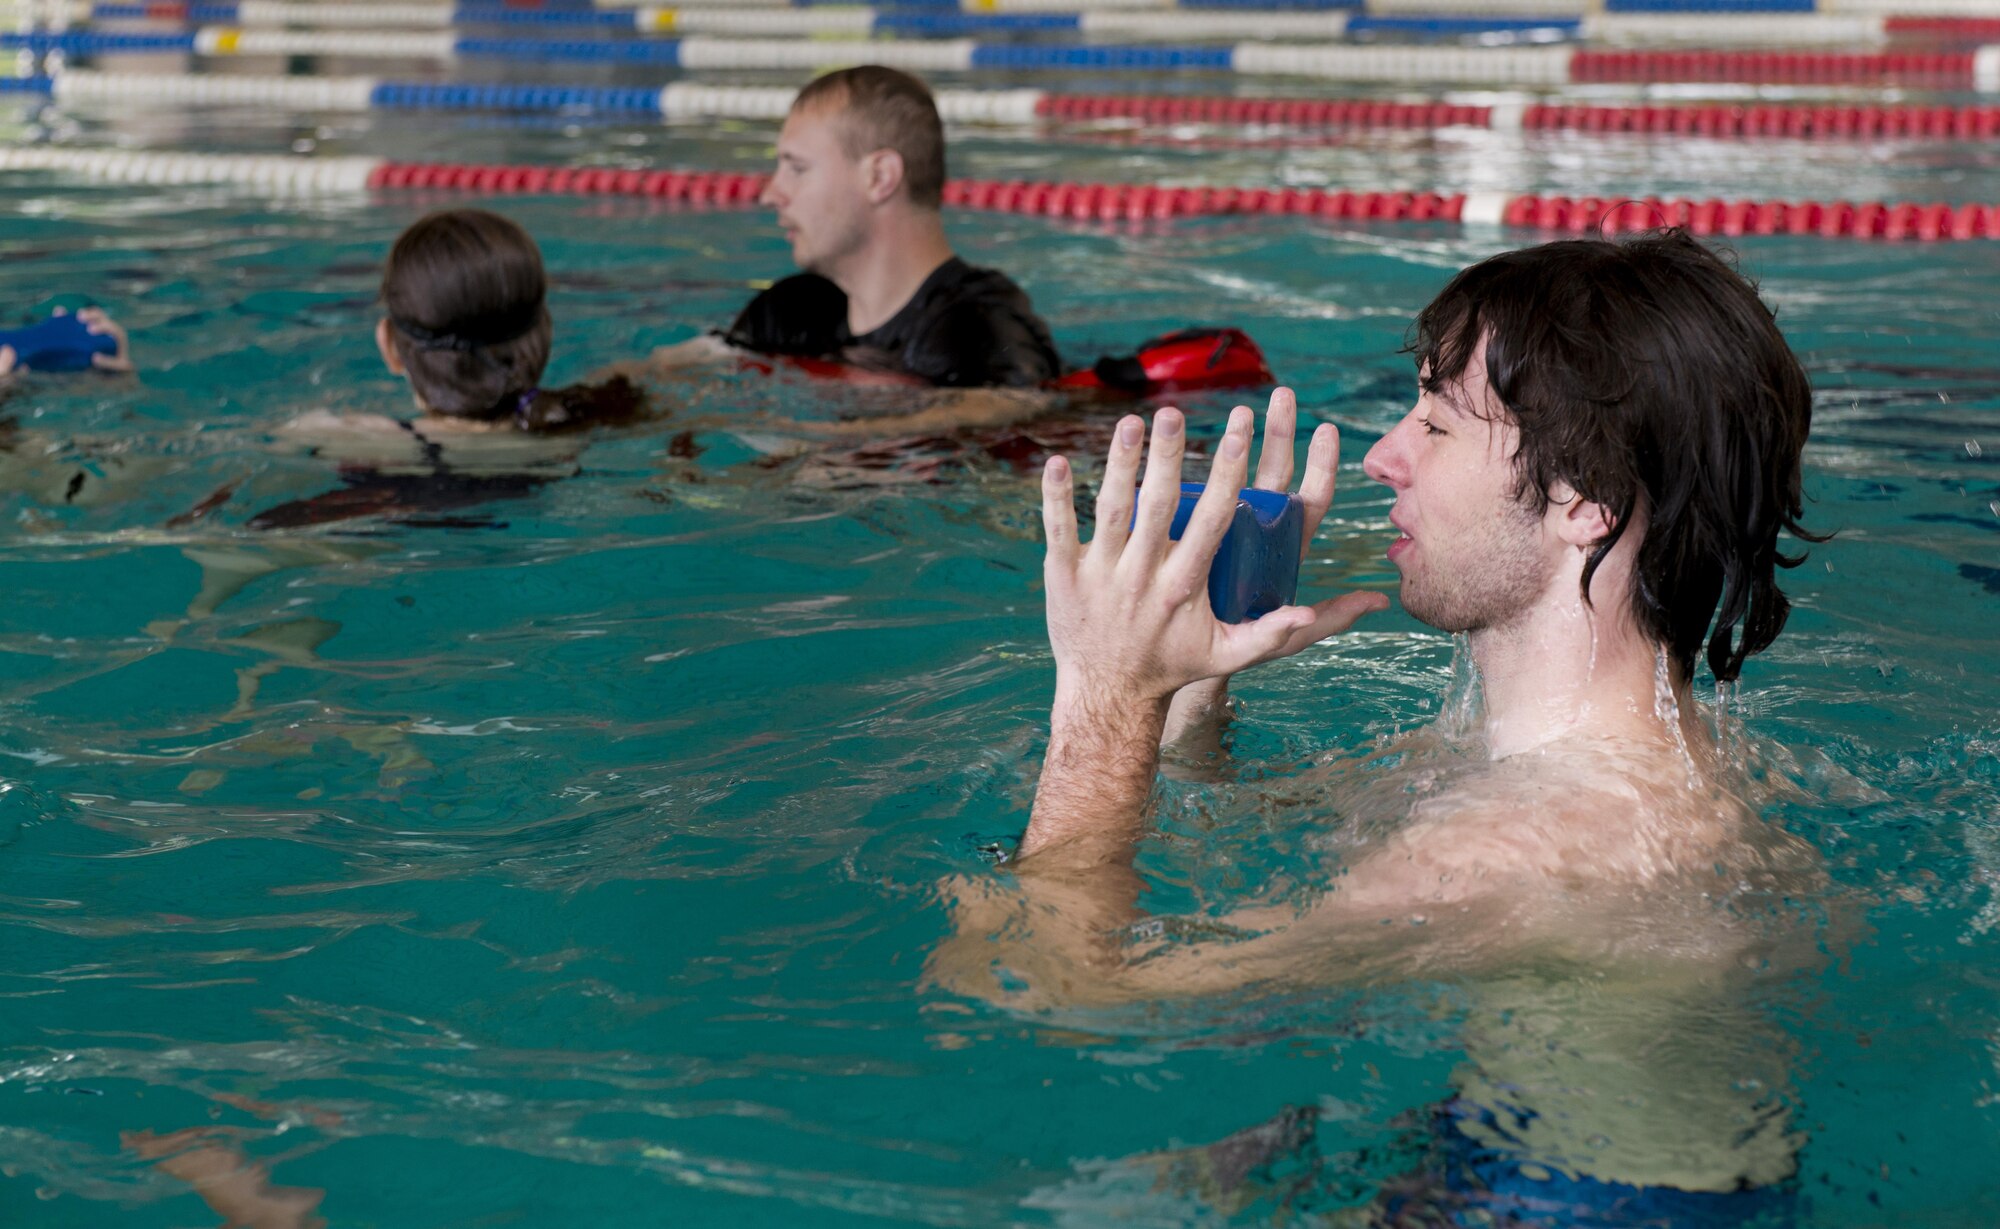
<point x="1187" y="361"/>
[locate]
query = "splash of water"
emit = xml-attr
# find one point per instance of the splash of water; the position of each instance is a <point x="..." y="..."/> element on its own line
<point x="1667" y="707"/>
<point x="1460" y="708"/>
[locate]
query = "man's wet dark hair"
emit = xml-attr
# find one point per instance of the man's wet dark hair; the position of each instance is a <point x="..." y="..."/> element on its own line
<point x="1648" y="376"/>
<point x="883" y="108"/>
<point x="464" y="291"/>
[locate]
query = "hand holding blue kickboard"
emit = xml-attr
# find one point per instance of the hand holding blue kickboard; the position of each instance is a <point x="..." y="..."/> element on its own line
<point x="1256" y="569"/>
<point x="60" y="343"/>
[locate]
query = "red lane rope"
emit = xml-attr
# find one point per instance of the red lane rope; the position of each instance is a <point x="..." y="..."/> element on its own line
<point x="1965" y="29"/>
<point x="1735" y="120"/>
<point x="1827" y="219"/>
<point x="1112" y="202"/>
<point x="1939" y="70"/>
<point x="1139" y="202"/>
<point x="690" y="187"/>
<point x="1704" y="119"/>
<point x="1360" y="113"/>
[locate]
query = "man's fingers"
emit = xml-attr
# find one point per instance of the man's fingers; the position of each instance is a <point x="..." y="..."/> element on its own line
<point x="1289" y="629"/>
<point x="1188" y="567"/>
<point x="1246" y="644"/>
<point x="1059" y="512"/>
<point x="1161" y="492"/>
<point x="1330" y="618"/>
<point x="1114" y="495"/>
<point x="1322" y="464"/>
<point x="1281" y="426"/>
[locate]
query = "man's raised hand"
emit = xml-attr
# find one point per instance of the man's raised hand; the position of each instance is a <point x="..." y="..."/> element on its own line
<point x="1129" y="617"/>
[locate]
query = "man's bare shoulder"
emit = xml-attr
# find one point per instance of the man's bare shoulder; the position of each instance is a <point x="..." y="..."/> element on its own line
<point x="1589" y="818"/>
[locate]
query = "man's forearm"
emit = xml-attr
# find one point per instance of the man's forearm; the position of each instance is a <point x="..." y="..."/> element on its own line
<point x="946" y="410"/>
<point x="681" y="358"/>
<point x="1196" y="716"/>
<point x="1098" y="775"/>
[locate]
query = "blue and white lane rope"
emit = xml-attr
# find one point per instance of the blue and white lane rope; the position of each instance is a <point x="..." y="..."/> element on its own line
<point x="1500" y="65"/>
<point x="1630" y="27"/>
<point x="686" y="101"/>
<point x="1495" y="67"/>
<point x="1520" y="66"/>
<point x="680" y="101"/>
<point x="790" y="23"/>
<point x="1560" y="8"/>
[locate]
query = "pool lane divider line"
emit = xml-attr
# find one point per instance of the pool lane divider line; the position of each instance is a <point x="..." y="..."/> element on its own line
<point x="1977" y="69"/>
<point x="843" y="21"/>
<point x="1623" y="29"/>
<point x="1522" y="8"/>
<point x="1080" y="202"/>
<point x="1531" y="8"/>
<point x="1122" y="18"/>
<point x="687" y="101"/>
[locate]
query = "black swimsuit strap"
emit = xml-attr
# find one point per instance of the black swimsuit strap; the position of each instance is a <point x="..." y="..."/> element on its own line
<point x="433" y="451"/>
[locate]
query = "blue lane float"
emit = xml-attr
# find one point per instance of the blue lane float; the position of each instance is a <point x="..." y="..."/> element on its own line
<point x="85" y="42"/>
<point x="433" y="96"/>
<point x="905" y="22"/>
<point x="1029" y="56"/>
<point x="199" y="14"/>
<point x="664" y="53"/>
<point x="1519" y="66"/>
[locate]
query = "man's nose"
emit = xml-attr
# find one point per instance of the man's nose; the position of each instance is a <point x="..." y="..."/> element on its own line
<point x="769" y="196"/>
<point x="1387" y="462"/>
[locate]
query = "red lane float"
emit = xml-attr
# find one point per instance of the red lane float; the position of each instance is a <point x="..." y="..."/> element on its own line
<point x="1140" y="202"/>
<point x="689" y="187"/>
<point x="1756" y="120"/>
<point x="1946" y="70"/>
<point x="1953" y="29"/>
<point x="1135" y="202"/>
<point x="1827" y="219"/>
<point x="1699" y="119"/>
<point x="1327" y="113"/>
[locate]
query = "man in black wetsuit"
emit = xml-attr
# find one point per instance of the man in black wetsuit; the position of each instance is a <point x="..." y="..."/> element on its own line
<point x="859" y="183"/>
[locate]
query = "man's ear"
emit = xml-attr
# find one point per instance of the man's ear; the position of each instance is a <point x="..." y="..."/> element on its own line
<point x="882" y="174"/>
<point x="1577" y="521"/>
<point x="387" y="346"/>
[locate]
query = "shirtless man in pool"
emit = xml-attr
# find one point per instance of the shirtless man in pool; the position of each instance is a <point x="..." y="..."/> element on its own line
<point x="1592" y="486"/>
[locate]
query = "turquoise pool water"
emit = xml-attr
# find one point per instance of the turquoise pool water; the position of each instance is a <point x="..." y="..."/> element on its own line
<point x="572" y="858"/>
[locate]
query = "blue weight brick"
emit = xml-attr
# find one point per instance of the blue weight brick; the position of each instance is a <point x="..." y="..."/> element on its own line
<point x="60" y="343"/>
<point x="1256" y="569"/>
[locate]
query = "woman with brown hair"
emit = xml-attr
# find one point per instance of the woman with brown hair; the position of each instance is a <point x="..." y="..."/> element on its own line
<point x="466" y="323"/>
